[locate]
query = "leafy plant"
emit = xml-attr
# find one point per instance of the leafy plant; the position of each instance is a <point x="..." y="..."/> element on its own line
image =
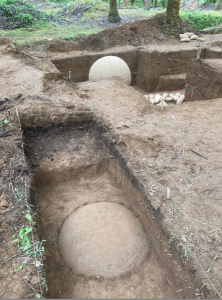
<point x="201" y="19"/>
<point x="24" y="240"/>
<point x="19" y="268"/>
<point x="18" y="13"/>
<point x="19" y="195"/>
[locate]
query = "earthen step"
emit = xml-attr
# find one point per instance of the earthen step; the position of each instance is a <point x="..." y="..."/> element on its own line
<point x="171" y="82"/>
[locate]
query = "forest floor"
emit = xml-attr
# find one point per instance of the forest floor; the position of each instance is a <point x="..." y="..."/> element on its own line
<point x="91" y="22"/>
<point x="178" y="147"/>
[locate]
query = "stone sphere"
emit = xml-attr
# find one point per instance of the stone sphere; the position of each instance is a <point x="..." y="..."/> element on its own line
<point x="110" y="67"/>
<point x="102" y="239"/>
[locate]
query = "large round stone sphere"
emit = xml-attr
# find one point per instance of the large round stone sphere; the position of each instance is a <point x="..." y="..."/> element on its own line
<point x="102" y="239"/>
<point x="110" y="67"/>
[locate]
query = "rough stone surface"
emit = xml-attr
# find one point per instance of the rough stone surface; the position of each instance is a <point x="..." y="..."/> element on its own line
<point x="110" y="67"/>
<point x="185" y="40"/>
<point x="102" y="239"/>
<point x="3" y="202"/>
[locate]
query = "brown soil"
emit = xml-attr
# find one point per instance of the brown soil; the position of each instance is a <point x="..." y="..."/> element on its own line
<point x="135" y="33"/>
<point x="67" y="179"/>
<point x="130" y="152"/>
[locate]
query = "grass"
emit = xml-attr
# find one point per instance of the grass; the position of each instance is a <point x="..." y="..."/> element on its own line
<point x="202" y="19"/>
<point x="45" y="32"/>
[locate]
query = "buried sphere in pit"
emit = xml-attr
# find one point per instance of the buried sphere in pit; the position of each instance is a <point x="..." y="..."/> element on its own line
<point x="110" y="67"/>
<point x="102" y="239"/>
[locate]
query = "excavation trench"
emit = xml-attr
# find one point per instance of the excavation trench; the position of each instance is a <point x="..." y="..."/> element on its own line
<point x="151" y="70"/>
<point x="154" y="69"/>
<point x="103" y="237"/>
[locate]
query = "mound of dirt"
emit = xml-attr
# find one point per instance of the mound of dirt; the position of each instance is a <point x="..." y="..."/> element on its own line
<point x="212" y="30"/>
<point x="135" y="34"/>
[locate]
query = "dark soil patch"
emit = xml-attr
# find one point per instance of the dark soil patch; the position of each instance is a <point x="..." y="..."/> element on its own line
<point x="75" y="165"/>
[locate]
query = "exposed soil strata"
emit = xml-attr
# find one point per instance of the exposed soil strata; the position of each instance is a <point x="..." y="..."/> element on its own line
<point x="153" y="63"/>
<point x="204" y="80"/>
<point x="79" y="65"/>
<point x="74" y="165"/>
<point x="145" y="153"/>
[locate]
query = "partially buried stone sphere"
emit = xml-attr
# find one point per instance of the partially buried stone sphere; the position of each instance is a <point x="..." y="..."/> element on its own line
<point x="102" y="239"/>
<point x="110" y="67"/>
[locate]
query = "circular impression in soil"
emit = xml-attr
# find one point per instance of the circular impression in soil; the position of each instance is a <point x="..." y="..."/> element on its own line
<point x="102" y="239"/>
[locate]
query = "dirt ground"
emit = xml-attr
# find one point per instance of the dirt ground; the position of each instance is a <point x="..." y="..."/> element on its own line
<point x="177" y="148"/>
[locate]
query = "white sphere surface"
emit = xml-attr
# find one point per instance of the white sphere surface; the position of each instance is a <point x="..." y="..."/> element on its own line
<point x="110" y="67"/>
<point x="102" y="239"/>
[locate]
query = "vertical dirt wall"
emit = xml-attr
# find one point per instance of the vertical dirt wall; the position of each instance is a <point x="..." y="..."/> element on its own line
<point x="153" y="63"/>
<point x="204" y="80"/>
<point x="80" y="65"/>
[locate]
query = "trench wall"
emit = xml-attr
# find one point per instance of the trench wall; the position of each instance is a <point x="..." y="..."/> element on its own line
<point x="204" y="80"/>
<point x="80" y="65"/>
<point x="148" y="64"/>
<point x="153" y="63"/>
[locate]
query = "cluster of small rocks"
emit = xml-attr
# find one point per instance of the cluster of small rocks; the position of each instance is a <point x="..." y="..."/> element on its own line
<point x="190" y="36"/>
<point x="161" y="100"/>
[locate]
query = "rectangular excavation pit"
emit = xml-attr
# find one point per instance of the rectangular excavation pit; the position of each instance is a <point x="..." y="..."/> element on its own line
<point x="148" y="65"/>
<point x="80" y="64"/>
<point x="75" y="165"/>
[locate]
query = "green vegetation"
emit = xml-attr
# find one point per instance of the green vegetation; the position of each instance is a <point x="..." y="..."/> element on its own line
<point x="69" y="19"/>
<point x="44" y="32"/>
<point x="17" y="13"/>
<point x="25" y="243"/>
<point x="201" y="19"/>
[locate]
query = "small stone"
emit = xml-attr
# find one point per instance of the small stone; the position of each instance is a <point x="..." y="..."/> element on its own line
<point x="180" y="100"/>
<point x="146" y="96"/>
<point x="171" y="95"/>
<point x="165" y="95"/>
<point x="28" y="273"/>
<point x="183" y="36"/>
<point x="4" y="203"/>
<point x="168" y="99"/>
<point x="35" y="280"/>
<point x="201" y="39"/>
<point x="157" y="98"/>
<point x="23" y="259"/>
<point x="4" y="211"/>
<point x="189" y="34"/>
<point x="194" y="37"/>
<point x="151" y="96"/>
<point x="175" y="97"/>
<point x="185" y="40"/>
<point x="70" y="105"/>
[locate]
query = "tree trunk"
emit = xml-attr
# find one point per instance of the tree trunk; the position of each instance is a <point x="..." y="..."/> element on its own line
<point x="147" y="4"/>
<point x="219" y="6"/>
<point x="125" y="3"/>
<point x="172" y="22"/>
<point x="163" y="3"/>
<point x="132" y="2"/>
<point x="113" y="16"/>
<point x="155" y="3"/>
